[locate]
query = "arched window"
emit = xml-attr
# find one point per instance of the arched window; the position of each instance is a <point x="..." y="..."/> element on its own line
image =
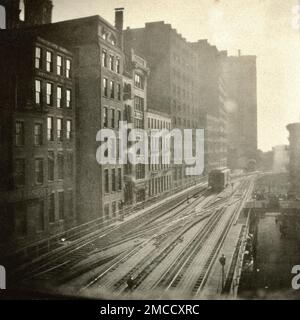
<point x="2" y="18"/>
<point x="22" y="10"/>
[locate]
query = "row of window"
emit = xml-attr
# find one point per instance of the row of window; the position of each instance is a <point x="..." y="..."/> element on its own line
<point x="62" y="65"/>
<point x="159" y="185"/>
<point x="158" y="124"/>
<point x="116" y="209"/>
<point x="115" y="91"/>
<point x="63" y="96"/>
<point x="64" y="130"/>
<point x="61" y="129"/>
<point x="22" y="219"/>
<point x="54" y="161"/>
<point x="111" y="62"/>
<point x="186" y="123"/>
<point x="115" y="178"/>
<point x="110" y="116"/>
<point x="61" y="214"/>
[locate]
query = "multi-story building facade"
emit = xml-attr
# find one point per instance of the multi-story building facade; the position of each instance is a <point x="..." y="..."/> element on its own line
<point x="37" y="137"/>
<point x="135" y="78"/>
<point x="212" y="97"/>
<point x="172" y="80"/>
<point x="241" y="85"/>
<point x="160" y="172"/>
<point x="73" y="84"/>
<point x="98" y="54"/>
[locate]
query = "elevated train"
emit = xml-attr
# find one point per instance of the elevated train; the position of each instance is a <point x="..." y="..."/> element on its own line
<point x="219" y="179"/>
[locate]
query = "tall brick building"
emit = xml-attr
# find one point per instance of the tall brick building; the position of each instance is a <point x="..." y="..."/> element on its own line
<point x="37" y="137"/>
<point x="60" y="79"/>
<point x="172" y="81"/>
<point x="135" y="80"/>
<point x="241" y="86"/>
<point x="98" y="54"/>
<point x="211" y="93"/>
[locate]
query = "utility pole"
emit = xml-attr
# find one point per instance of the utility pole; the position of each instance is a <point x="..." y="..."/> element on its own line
<point x="222" y="261"/>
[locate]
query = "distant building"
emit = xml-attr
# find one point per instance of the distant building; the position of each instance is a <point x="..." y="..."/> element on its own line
<point x="280" y="158"/>
<point x="172" y="81"/>
<point x="160" y="173"/>
<point x="294" y="150"/>
<point x="212" y="96"/>
<point x="241" y="105"/>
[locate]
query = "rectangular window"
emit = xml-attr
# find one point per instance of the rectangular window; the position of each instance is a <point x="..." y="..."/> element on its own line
<point x="113" y="118"/>
<point x="120" y="179"/>
<point x="38" y="92"/>
<point x="40" y="226"/>
<point x="119" y="91"/>
<point x="113" y="180"/>
<point x="112" y="89"/>
<point x="105" y="117"/>
<point x="20" y="220"/>
<point x="60" y="165"/>
<point x="111" y="62"/>
<point x="70" y="164"/>
<point x="49" y="96"/>
<point x="61" y="205"/>
<point x="114" y="209"/>
<point x="20" y="172"/>
<point x="59" y="65"/>
<point x="120" y="207"/>
<point x="106" y="181"/>
<point x="51" y="165"/>
<point x="20" y="133"/>
<point x="118" y="65"/>
<point x="119" y="118"/>
<point x="59" y="97"/>
<point x="69" y="98"/>
<point x="59" y="129"/>
<point x="138" y="81"/>
<point x="69" y="129"/>
<point x="39" y="171"/>
<point x="50" y="132"/>
<point x="38" y="134"/>
<point x="139" y="104"/>
<point x="68" y="68"/>
<point x="106" y="211"/>
<point x="140" y="171"/>
<point x="38" y="58"/>
<point x="51" y="208"/>
<point x="105" y="87"/>
<point x="49" y="61"/>
<point x="70" y="203"/>
<point x="104" y="58"/>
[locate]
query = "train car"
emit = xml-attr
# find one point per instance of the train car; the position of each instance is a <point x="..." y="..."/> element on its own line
<point x="219" y="179"/>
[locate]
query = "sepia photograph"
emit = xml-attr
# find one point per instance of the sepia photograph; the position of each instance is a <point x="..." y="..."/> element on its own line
<point x="150" y="150"/>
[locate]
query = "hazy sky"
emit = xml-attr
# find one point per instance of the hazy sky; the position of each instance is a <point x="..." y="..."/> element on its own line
<point x="258" y="27"/>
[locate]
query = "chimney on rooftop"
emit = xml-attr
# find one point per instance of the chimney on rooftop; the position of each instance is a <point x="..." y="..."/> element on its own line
<point x="119" y="18"/>
<point x="119" y="21"/>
